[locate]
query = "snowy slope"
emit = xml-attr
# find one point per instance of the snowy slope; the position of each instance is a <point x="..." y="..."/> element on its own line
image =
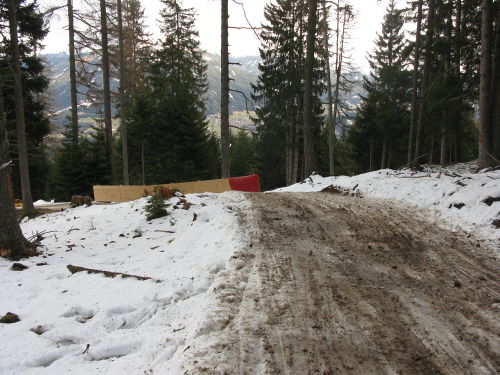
<point x="455" y="194"/>
<point x="132" y="326"/>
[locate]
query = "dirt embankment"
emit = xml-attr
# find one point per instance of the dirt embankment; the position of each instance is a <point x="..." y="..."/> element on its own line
<point x="346" y="285"/>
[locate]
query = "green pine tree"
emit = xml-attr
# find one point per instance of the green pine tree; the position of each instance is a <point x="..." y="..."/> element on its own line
<point x="381" y="125"/>
<point x="32" y="30"/>
<point x="156" y="207"/>
<point x="79" y="166"/>
<point x="279" y="94"/>
<point x="242" y="153"/>
<point x="68" y="176"/>
<point x="169" y="117"/>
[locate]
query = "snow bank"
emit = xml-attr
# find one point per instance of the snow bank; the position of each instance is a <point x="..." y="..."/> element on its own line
<point x="89" y="324"/>
<point x="456" y="194"/>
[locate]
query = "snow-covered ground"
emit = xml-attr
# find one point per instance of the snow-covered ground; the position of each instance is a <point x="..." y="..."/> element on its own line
<point x="87" y="324"/>
<point x="129" y="326"/>
<point x="458" y="195"/>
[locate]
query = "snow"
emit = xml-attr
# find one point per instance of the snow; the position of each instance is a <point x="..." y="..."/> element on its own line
<point x="129" y="326"/>
<point x="60" y="111"/>
<point x="87" y="323"/>
<point x="455" y="194"/>
<point x="41" y="202"/>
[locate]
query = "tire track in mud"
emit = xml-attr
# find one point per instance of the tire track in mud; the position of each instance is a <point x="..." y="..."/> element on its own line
<point x="346" y="285"/>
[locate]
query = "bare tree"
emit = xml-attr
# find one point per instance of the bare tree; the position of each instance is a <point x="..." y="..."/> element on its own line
<point x="72" y="73"/>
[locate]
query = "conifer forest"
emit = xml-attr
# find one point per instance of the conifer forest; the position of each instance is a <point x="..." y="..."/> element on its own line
<point x="251" y="187"/>
<point x="431" y="94"/>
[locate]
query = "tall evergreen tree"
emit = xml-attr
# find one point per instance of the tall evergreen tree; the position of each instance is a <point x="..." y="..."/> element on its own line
<point x="384" y="116"/>
<point x="170" y="119"/>
<point x="133" y="42"/>
<point x="489" y="99"/>
<point x="342" y="69"/>
<point x="448" y="80"/>
<point x="242" y="153"/>
<point x="279" y="93"/>
<point x="30" y="31"/>
<point x="414" y="93"/>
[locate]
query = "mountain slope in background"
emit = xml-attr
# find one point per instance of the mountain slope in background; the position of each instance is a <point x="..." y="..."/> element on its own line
<point x="243" y="75"/>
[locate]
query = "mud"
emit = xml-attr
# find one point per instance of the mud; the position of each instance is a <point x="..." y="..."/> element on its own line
<point x="344" y="285"/>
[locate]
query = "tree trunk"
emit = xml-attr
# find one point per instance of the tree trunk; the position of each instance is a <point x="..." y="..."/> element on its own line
<point x="290" y="162"/>
<point x="329" y="116"/>
<point x="72" y="74"/>
<point x="143" y="164"/>
<point x="12" y="242"/>
<point x="485" y="87"/>
<point x="389" y="154"/>
<point x="123" y="96"/>
<point x="446" y="125"/>
<point x="22" y="148"/>
<point x="338" y="68"/>
<point x="298" y="162"/>
<point x="295" y="170"/>
<point x="426" y="72"/>
<point x="495" y="93"/>
<point x="308" y="88"/>
<point x="442" y="155"/>
<point x="416" y="62"/>
<point x="458" y="58"/>
<point x="288" y="152"/>
<point x="430" y="158"/>
<point x="224" y="101"/>
<point x="384" y="154"/>
<point x="107" y="90"/>
<point x="371" y="154"/>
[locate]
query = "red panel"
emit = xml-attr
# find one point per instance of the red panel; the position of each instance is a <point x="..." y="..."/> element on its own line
<point x="246" y="183"/>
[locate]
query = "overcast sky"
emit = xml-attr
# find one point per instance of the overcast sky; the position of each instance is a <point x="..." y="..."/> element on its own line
<point x="242" y="42"/>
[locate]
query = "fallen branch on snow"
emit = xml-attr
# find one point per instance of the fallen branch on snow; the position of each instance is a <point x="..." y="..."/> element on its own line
<point x="75" y="269"/>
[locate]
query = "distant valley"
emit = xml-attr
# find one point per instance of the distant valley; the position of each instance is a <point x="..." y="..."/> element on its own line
<point x="243" y="75"/>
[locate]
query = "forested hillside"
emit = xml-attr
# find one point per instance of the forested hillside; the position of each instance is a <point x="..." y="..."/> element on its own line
<point x="59" y="88"/>
<point x="120" y="103"/>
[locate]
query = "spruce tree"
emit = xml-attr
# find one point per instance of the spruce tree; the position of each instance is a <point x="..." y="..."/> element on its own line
<point x="279" y="93"/>
<point x="31" y="31"/>
<point x="171" y="121"/>
<point x="77" y="167"/>
<point x="242" y="154"/>
<point x="383" y="117"/>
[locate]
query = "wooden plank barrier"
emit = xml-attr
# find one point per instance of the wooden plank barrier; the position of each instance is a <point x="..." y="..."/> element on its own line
<point x="124" y="193"/>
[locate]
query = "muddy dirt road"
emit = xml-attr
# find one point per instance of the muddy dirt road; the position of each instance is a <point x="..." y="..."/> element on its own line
<point x="346" y="285"/>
